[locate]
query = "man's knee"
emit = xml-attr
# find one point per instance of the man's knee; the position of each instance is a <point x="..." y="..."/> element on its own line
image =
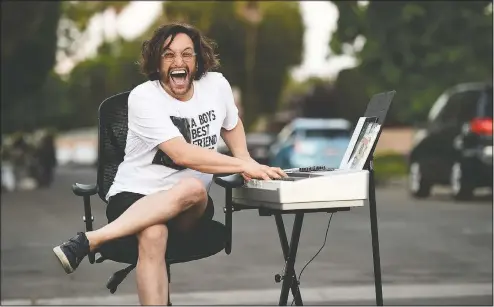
<point x="152" y="241"/>
<point x="195" y="190"/>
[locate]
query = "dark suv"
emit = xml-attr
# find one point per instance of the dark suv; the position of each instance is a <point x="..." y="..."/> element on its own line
<point x="455" y="146"/>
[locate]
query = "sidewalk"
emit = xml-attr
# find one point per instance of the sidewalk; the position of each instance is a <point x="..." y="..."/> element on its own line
<point x="326" y="295"/>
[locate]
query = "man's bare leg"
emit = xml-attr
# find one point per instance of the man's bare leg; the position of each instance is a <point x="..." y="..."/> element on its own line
<point x="151" y="210"/>
<point x="151" y="275"/>
<point x="186" y="220"/>
<point x="186" y="201"/>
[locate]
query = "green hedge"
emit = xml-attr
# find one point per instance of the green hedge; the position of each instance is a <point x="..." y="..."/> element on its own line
<point x="389" y="165"/>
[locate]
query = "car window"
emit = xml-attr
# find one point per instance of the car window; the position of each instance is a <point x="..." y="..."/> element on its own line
<point x="326" y="133"/>
<point x="449" y="112"/>
<point x="438" y="106"/>
<point x="487" y="106"/>
<point x="468" y="109"/>
<point x="284" y="134"/>
<point x="459" y="108"/>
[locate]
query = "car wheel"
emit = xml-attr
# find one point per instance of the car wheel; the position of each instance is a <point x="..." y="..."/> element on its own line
<point x="460" y="187"/>
<point x="417" y="185"/>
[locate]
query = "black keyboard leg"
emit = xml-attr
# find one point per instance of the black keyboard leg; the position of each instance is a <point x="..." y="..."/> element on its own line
<point x="289" y="253"/>
<point x="284" y="245"/>
<point x="375" y="236"/>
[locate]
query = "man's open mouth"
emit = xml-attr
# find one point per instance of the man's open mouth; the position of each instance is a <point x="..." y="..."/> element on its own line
<point x="179" y="77"/>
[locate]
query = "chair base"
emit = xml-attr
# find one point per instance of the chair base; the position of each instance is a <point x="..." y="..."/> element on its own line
<point x="117" y="278"/>
<point x="206" y="240"/>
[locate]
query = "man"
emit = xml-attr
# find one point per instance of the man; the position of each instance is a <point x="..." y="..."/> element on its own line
<point x="46" y="159"/>
<point x="175" y="120"/>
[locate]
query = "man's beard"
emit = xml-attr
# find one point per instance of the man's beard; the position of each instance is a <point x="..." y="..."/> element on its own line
<point x="178" y="86"/>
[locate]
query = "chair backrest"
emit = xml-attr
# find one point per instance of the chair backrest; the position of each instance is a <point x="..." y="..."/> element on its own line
<point x="112" y="137"/>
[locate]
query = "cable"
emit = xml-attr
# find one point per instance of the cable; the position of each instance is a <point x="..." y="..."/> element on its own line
<point x="324" y="243"/>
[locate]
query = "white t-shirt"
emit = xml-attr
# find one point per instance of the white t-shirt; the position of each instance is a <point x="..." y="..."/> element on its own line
<point x="155" y="117"/>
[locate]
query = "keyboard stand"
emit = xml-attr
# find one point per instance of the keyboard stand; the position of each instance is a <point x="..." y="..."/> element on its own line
<point x="289" y="253"/>
<point x="374" y="232"/>
<point x="289" y="277"/>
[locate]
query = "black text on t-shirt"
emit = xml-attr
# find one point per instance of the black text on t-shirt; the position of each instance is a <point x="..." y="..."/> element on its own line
<point x="200" y="130"/>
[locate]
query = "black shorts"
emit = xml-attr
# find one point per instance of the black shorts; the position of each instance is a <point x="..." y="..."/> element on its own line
<point x="120" y="202"/>
<point x="180" y="245"/>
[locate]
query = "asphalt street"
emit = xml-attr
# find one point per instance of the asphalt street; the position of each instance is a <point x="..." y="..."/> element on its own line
<point x="424" y="244"/>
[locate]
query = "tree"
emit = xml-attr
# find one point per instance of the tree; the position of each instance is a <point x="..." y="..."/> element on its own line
<point x="320" y="98"/>
<point x="31" y="36"/>
<point x="246" y="44"/>
<point x="418" y="48"/>
<point x="28" y="54"/>
<point x="112" y="71"/>
<point x="75" y="18"/>
<point x="277" y="52"/>
<point x="343" y="98"/>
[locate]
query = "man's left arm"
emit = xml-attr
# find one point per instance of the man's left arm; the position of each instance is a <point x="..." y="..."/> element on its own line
<point x="236" y="141"/>
<point x="232" y="128"/>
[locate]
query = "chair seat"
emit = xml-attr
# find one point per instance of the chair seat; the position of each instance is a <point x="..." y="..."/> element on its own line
<point x="207" y="239"/>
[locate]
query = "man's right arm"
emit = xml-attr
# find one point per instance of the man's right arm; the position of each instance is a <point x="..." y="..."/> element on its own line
<point x="150" y="121"/>
<point x="201" y="159"/>
<point x="209" y="161"/>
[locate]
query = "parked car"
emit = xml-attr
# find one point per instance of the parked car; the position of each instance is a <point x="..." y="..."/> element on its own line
<point x="309" y="142"/>
<point x="455" y="146"/>
<point x="258" y="144"/>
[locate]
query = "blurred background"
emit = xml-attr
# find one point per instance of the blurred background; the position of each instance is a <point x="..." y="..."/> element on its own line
<point x="302" y="73"/>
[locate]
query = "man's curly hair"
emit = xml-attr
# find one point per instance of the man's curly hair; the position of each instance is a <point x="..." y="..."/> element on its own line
<point x="153" y="48"/>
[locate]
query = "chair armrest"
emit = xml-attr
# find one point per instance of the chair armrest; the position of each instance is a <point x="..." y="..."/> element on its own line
<point x="230" y="181"/>
<point x="86" y="191"/>
<point x="80" y="189"/>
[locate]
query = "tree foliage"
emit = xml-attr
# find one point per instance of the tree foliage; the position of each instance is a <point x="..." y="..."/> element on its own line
<point x="32" y="94"/>
<point x="112" y="71"/>
<point x="277" y="52"/>
<point x="75" y="19"/>
<point x="418" y="48"/>
<point x="321" y="98"/>
<point x="81" y="12"/>
<point x="28" y="54"/>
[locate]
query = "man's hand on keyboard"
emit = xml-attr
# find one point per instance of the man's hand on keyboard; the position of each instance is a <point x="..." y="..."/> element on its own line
<point x="254" y="170"/>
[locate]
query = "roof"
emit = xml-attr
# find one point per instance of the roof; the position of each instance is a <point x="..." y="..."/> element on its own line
<point x="320" y="123"/>
<point x="471" y="86"/>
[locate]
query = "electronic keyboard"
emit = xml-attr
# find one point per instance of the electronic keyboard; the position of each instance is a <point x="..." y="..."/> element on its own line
<point x="307" y="188"/>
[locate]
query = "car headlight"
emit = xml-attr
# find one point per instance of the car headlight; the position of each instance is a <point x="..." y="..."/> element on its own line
<point x="487" y="151"/>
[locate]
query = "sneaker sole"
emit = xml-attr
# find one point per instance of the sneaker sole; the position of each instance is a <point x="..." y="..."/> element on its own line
<point x="63" y="260"/>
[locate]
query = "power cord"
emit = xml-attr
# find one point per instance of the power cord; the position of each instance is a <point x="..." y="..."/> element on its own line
<point x="324" y="243"/>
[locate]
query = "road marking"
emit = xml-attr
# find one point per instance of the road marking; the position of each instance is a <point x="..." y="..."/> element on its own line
<point x="271" y="296"/>
<point x="21" y="302"/>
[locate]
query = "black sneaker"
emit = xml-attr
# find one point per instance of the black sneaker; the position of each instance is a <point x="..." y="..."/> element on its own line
<point x="72" y="252"/>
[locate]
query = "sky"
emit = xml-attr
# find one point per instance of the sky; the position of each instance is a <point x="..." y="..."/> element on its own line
<point x="320" y="18"/>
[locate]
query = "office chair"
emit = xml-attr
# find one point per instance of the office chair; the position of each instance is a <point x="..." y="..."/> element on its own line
<point x="206" y="240"/>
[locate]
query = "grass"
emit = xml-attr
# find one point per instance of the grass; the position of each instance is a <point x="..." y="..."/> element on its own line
<point x="389" y="165"/>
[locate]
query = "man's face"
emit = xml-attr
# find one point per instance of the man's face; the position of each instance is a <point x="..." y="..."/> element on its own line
<point x="178" y="65"/>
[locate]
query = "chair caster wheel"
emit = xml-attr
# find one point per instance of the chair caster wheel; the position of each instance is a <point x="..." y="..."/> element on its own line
<point x="117" y="278"/>
<point x="277" y="278"/>
<point x="112" y="284"/>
